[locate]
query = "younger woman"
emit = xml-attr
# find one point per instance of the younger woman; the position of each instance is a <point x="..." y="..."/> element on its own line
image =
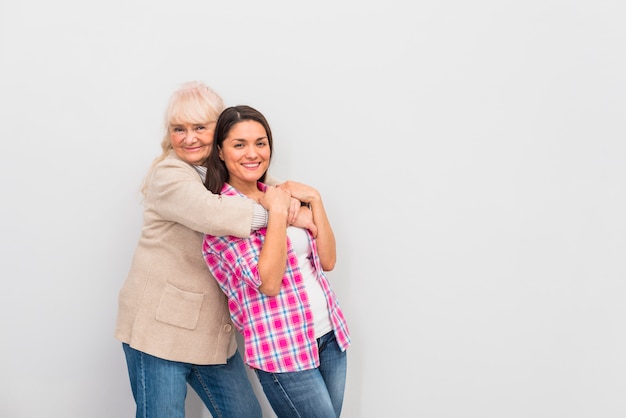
<point x="294" y="331"/>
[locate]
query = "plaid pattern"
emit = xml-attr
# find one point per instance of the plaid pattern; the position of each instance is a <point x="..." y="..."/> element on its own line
<point x="278" y="331"/>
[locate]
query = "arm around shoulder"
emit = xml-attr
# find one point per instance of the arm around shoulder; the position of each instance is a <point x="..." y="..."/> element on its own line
<point x="177" y="194"/>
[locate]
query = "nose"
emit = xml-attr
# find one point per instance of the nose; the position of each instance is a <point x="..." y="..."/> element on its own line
<point x="250" y="152"/>
<point x="190" y="136"/>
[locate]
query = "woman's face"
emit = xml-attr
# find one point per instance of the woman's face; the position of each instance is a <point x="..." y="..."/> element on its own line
<point x="246" y="153"/>
<point x="192" y="142"/>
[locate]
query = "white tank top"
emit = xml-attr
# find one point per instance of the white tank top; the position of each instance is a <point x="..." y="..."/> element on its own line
<point x="317" y="300"/>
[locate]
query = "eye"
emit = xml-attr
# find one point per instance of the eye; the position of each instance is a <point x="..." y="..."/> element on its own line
<point x="262" y="143"/>
<point x="177" y="129"/>
<point x="201" y="128"/>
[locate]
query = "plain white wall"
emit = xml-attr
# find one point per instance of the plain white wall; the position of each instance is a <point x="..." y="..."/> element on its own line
<point x="471" y="155"/>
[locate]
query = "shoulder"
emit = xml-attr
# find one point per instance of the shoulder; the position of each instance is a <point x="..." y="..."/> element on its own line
<point x="172" y="160"/>
<point x="171" y="165"/>
<point x="271" y="180"/>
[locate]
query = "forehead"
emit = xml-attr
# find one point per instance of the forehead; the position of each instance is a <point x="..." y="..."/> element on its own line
<point x="248" y="130"/>
<point x="191" y="124"/>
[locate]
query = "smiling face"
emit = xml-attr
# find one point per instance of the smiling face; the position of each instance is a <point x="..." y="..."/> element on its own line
<point x="192" y="142"/>
<point x="246" y="153"/>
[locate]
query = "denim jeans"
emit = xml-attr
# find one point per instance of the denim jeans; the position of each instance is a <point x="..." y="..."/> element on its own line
<point x="160" y="386"/>
<point x="315" y="393"/>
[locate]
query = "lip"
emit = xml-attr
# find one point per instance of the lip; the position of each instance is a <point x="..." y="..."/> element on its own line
<point x="192" y="149"/>
<point x="251" y="166"/>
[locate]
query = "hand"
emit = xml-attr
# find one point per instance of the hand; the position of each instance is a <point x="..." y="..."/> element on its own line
<point x="305" y="220"/>
<point x="276" y="200"/>
<point x="294" y="209"/>
<point x="300" y="191"/>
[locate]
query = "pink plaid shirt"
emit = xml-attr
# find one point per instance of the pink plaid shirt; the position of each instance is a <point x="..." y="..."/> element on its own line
<point x="277" y="330"/>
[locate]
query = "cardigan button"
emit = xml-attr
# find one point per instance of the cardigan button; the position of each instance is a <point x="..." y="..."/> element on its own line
<point x="228" y="328"/>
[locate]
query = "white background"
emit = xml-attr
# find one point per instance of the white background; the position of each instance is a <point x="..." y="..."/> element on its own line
<point x="471" y="156"/>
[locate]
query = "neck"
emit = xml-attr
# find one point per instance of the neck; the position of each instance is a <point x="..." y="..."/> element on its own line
<point x="249" y="189"/>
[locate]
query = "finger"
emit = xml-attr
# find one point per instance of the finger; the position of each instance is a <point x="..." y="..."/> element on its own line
<point x="293" y="210"/>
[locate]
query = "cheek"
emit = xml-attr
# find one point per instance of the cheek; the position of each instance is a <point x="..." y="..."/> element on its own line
<point x="207" y="138"/>
<point x="175" y="140"/>
<point x="229" y="155"/>
<point x="228" y="159"/>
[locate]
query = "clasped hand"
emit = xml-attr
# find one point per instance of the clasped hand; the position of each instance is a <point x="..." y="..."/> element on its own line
<point x="291" y="195"/>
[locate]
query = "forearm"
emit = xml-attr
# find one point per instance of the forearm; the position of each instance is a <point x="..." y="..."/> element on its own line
<point x="325" y="239"/>
<point x="176" y="193"/>
<point x="273" y="256"/>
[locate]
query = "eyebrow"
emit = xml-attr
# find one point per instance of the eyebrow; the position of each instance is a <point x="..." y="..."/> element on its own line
<point x="243" y="139"/>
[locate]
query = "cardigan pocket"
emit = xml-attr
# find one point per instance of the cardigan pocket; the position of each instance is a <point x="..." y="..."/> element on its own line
<point x="179" y="308"/>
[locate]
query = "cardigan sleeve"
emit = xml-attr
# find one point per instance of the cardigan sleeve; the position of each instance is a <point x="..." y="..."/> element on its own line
<point x="177" y="194"/>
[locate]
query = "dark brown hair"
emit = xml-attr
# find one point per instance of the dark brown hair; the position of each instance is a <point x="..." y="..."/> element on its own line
<point x="217" y="174"/>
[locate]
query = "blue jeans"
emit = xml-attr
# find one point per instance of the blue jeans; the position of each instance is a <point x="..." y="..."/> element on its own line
<point x="315" y="393"/>
<point x="160" y="386"/>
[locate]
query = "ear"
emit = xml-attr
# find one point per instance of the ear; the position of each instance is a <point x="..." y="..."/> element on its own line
<point x="219" y="154"/>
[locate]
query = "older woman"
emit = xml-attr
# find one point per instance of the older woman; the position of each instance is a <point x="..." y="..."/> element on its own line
<point x="173" y="319"/>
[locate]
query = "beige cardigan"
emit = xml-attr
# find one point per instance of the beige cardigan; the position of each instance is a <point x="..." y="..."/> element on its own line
<point x="170" y="306"/>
